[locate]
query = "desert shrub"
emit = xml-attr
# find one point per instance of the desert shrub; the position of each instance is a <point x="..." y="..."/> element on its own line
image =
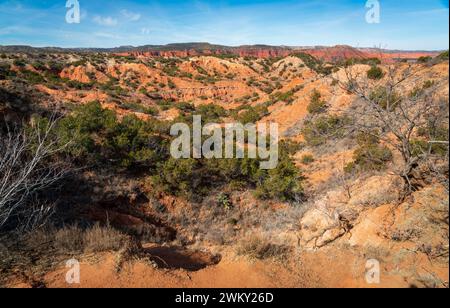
<point x="171" y="84"/>
<point x="370" y="156"/>
<point x="307" y="159"/>
<point x="211" y="113"/>
<point x="136" y="107"/>
<point x="287" y="97"/>
<point x="30" y="167"/>
<point x="258" y="247"/>
<point x="431" y="132"/>
<point x="317" y="131"/>
<point x="389" y="101"/>
<point x="419" y="91"/>
<point x="316" y="105"/>
<point x="290" y="147"/>
<point x="6" y="72"/>
<point x="164" y="104"/>
<point x="133" y="142"/>
<point x="424" y="59"/>
<point x="282" y="183"/>
<point x="74" y="84"/>
<point x="96" y="135"/>
<point x="32" y="77"/>
<point x="83" y="127"/>
<point x="313" y="63"/>
<point x="367" y="61"/>
<point x="443" y="56"/>
<point x="194" y="178"/>
<point x="375" y="73"/>
<point x="224" y="201"/>
<point x="179" y="177"/>
<point x="185" y="107"/>
<point x="19" y="63"/>
<point x="252" y="114"/>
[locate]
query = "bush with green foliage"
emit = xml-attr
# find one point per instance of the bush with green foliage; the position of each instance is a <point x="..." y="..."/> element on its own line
<point x="194" y="178"/>
<point x="251" y="114"/>
<point x="32" y="77"/>
<point x="375" y="73"/>
<point x="307" y="159"/>
<point x="443" y="56"/>
<point x="19" y="63"/>
<point x="317" y="105"/>
<point x="387" y="100"/>
<point x="6" y="72"/>
<point x="317" y="131"/>
<point x="432" y="132"/>
<point x="370" y="156"/>
<point x="282" y="183"/>
<point x="287" y="97"/>
<point x="138" y="107"/>
<point x="98" y="138"/>
<point x="96" y="135"/>
<point x="211" y="113"/>
<point x="224" y="201"/>
<point x="424" y="59"/>
<point x="313" y="63"/>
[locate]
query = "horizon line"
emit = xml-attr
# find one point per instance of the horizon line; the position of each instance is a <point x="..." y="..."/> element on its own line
<point x="227" y="46"/>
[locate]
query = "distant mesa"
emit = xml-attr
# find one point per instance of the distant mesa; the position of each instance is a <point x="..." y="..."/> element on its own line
<point x="328" y="54"/>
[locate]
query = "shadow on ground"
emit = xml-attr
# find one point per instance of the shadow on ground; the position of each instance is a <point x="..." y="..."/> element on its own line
<point x="179" y="258"/>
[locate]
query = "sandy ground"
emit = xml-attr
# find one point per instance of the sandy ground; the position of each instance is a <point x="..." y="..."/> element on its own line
<point x="315" y="269"/>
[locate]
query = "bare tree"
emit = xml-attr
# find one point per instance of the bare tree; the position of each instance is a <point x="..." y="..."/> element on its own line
<point x="27" y="167"/>
<point x="389" y="109"/>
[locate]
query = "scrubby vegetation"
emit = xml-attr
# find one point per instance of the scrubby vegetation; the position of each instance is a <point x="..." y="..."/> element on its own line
<point x="317" y="105"/>
<point x="80" y="177"/>
<point x="370" y="156"/>
<point x="96" y="136"/>
<point x="319" y="130"/>
<point x="195" y="178"/>
<point x="375" y="73"/>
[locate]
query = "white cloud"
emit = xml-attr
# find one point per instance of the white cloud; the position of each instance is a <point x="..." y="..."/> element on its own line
<point x="145" y="31"/>
<point x="130" y="15"/>
<point x="106" y="35"/>
<point x="105" y="21"/>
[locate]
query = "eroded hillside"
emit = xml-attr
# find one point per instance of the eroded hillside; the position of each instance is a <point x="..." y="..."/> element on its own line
<point x="340" y="196"/>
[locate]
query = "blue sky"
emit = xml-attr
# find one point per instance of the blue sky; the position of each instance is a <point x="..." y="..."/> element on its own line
<point x="405" y="24"/>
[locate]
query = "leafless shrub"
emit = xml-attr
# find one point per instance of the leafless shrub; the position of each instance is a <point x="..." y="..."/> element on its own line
<point x="387" y="109"/>
<point x="27" y="167"/>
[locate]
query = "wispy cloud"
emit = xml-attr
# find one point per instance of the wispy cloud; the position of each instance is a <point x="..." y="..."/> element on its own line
<point x="145" y="31"/>
<point x="105" y="21"/>
<point x="130" y="15"/>
<point x="107" y="35"/>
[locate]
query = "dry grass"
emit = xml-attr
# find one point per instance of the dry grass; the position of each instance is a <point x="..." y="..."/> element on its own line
<point x="42" y="250"/>
<point x="261" y="248"/>
<point x="106" y="238"/>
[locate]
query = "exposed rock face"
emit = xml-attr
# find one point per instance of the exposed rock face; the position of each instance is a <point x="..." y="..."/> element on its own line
<point x="319" y="227"/>
<point x="241" y="51"/>
<point x="83" y="73"/>
<point x="337" y="53"/>
<point x="329" y="54"/>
